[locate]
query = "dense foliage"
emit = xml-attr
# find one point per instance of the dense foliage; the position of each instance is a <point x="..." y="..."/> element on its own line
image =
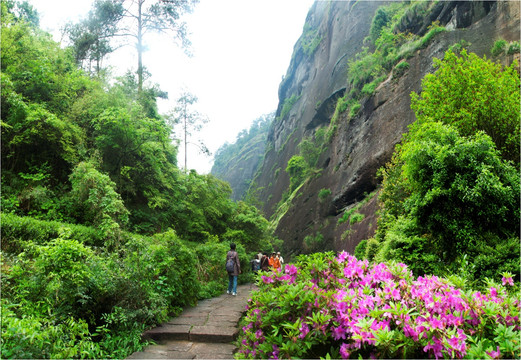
<point x="340" y="307"/>
<point x="450" y="195"/>
<point x="80" y="150"/>
<point x="473" y="94"/>
<point x="90" y="196"/>
<point x="64" y="295"/>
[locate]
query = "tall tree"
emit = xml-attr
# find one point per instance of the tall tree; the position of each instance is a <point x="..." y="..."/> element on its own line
<point x="91" y="37"/>
<point x="20" y="11"/>
<point x="161" y="16"/>
<point x="190" y="119"/>
<point x="131" y="20"/>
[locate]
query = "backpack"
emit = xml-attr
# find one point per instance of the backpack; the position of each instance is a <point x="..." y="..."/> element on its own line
<point x="255" y="265"/>
<point x="230" y="265"/>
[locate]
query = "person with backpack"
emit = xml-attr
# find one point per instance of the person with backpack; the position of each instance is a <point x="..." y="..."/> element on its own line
<point x="255" y="263"/>
<point x="265" y="263"/>
<point x="233" y="267"/>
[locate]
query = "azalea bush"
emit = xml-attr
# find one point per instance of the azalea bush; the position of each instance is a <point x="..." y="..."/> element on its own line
<point x="332" y="307"/>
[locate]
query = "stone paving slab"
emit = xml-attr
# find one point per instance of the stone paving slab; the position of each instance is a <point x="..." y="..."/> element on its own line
<point x="188" y="320"/>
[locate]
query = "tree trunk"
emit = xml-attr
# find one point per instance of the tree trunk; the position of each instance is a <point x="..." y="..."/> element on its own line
<point x="186" y="125"/>
<point x="140" y="49"/>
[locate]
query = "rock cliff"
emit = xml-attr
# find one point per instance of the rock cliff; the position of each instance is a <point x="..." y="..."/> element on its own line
<point x="237" y="163"/>
<point x="362" y="140"/>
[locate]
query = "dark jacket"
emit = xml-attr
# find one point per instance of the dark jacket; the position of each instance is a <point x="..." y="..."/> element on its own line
<point x="237" y="265"/>
<point x="265" y="265"/>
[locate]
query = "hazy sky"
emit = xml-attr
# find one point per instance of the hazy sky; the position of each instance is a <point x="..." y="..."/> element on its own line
<point x="241" y="49"/>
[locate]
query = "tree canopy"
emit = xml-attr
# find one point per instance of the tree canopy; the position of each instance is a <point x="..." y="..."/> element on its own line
<point x="96" y="151"/>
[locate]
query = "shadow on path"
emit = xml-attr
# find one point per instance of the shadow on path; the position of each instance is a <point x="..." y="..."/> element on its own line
<point x="205" y="331"/>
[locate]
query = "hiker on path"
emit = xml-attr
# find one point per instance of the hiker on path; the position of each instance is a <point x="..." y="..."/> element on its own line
<point x="265" y="264"/>
<point x="256" y="263"/>
<point x="281" y="260"/>
<point x="275" y="262"/>
<point x="233" y="267"/>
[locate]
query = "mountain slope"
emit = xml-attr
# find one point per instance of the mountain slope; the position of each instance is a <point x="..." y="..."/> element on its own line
<point x="237" y="163"/>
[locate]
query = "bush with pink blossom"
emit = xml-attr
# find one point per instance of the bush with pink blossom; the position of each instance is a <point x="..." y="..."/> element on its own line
<point x="340" y="307"/>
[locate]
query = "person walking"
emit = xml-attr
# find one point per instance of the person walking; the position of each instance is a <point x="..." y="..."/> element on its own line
<point x="281" y="260"/>
<point x="255" y="264"/>
<point x="233" y="267"/>
<point x="265" y="263"/>
<point x="275" y="262"/>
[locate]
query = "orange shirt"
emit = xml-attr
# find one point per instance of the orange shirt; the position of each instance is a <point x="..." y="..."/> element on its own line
<point x="276" y="263"/>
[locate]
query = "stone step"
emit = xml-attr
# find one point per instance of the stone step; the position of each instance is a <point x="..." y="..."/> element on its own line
<point x="205" y="333"/>
<point x="182" y="349"/>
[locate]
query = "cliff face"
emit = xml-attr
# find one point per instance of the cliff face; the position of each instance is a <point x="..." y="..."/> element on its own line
<point x="237" y="163"/>
<point x="317" y="77"/>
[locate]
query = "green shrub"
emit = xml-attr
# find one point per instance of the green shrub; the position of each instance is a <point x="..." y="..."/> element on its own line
<point x="344" y="217"/>
<point x="32" y="337"/>
<point x="323" y="194"/>
<point x="96" y="200"/>
<point x="371" y="248"/>
<point x="16" y="230"/>
<point x="498" y="47"/>
<point x="354" y="109"/>
<point x="288" y="105"/>
<point x="404" y="244"/>
<point x="356" y="218"/>
<point x="297" y="171"/>
<point x="400" y="69"/>
<point x="310" y="39"/>
<point x="513" y="48"/>
<point x="473" y="94"/>
<point x="314" y="242"/>
<point x="380" y="20"/>
<point x="459" y="195"/>
<point x="360" y="249"/>
<point x="434" y="29"/>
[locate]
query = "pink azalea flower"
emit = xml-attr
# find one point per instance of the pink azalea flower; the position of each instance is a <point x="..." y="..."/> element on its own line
<point x="304" y="330"/>
<point x="457" y="344"/>
<point x="493" y="292"/>
<point x="343" y="351"/>
<point x="436" y="323"/>
<point x="494" y="354"/>
<point x="436" y="348"/>
<point x="342" y="257"/>
<point x="395" y="294"/>
<point x="275" y="351"/>
<point x="339" y="333"/>
<point x="291" y="269"/>
<point x="507" y="280"/>
<point x="266" y="279"/>
<point x="410" y="332"/>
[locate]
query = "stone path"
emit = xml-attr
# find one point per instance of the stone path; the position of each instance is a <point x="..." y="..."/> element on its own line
<point x="205" y="331"/>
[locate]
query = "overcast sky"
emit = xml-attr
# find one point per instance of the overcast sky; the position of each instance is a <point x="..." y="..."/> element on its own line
<point x="241" y="50"/>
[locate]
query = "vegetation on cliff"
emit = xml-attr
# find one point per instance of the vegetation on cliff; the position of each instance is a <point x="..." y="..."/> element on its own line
<point x="450" y="195"/>
<point x="237" y="163"/>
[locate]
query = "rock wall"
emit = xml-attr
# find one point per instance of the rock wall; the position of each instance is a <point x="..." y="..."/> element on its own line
<point x="317" y="77"/>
